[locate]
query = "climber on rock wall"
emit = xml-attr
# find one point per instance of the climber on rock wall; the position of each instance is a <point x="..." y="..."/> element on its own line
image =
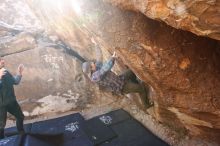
<point x="8" y="102"/>
<point x="125" y="83"/>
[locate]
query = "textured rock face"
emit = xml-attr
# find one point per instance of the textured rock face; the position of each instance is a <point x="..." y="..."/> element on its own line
<point x="182" y="68"/>
<point x="52" y="78"/>
<point x="201" y="17"/>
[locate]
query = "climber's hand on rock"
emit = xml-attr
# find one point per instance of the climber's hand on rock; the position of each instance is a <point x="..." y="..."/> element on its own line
<point x="114" y="55"/>
<point x="93" y="41"/>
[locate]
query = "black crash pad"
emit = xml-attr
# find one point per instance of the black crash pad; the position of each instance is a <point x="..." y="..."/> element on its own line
<point x="70" y="126"/>
<point x="116" y="128"/>
<point x="132" y="133"/>
<point x="114" y="117"/>
<point x="13" y="130"/>
<point x="62" y="131"/>
<point x="44" y="140"/>
<point x="97" y="131"/>
<point x="33" y="141"/>
<point x="79" y="141"/>
<point x="11" y="141"/>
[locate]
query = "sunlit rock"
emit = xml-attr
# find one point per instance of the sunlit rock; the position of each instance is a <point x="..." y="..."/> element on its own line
<point x="182" y="68"/>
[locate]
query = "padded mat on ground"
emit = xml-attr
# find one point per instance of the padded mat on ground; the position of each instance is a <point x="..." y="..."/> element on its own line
<point x="79" y="141"/>
<point x="33" y="141"/>
<point x="70" y="126"/>
<point x="116" y="128"/>
<point x="98" y="132"/>
<point x="113" y="117"/>
<point x="11" y="141"/>
<point x="13" y="130"/>
<point x="39" y="141"/>
<point x="132" y="133"/>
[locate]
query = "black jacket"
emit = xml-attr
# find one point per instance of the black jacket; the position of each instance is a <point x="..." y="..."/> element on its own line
<point x="7" y="94"/>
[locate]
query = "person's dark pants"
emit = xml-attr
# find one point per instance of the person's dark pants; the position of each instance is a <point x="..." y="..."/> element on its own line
<point x="1" y="133"/>
<point x="133" y="86"/>
<point x="14" y="109"/>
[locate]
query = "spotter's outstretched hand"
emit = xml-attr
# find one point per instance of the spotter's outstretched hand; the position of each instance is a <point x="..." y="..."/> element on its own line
<point x="20" y="69"/>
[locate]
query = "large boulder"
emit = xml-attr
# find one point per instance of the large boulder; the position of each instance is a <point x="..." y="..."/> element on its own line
<point x="182" y="68"/>
<point x="201" y="17"/>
